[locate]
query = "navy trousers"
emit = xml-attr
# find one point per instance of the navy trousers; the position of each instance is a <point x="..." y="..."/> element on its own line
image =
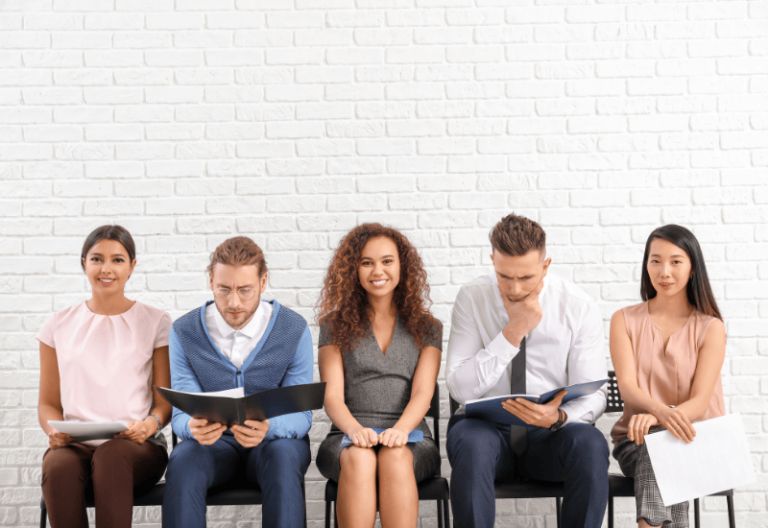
<point x="479" y="453"/>
<point x="278" y="466"/>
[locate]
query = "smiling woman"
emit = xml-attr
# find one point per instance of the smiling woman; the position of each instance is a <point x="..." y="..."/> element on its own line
<point x="379" y="353"/>
<point x="98" y="362"/>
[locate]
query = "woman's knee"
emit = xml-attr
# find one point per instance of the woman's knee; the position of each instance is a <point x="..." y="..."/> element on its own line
<point x="62" y="466"/>
<point x="395" y="461"/>
<point x="358" y="462"/>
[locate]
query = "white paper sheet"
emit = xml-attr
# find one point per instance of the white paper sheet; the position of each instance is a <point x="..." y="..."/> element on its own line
<point x="237" y="392"/>
<point x="90" y="430"/>
<point x="718" y="459"/>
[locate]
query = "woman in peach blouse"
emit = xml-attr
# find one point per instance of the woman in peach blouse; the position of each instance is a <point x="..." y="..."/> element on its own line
<point x="98" y="362"/>
<point x="667" y="352"/>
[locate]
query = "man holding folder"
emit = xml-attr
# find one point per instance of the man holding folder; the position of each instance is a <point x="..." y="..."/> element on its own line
<point x="237" y="340"/>
<point x="520" y="331"/>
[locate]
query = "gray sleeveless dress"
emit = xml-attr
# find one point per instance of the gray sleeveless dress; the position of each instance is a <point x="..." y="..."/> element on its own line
<point x="377" y="388"/>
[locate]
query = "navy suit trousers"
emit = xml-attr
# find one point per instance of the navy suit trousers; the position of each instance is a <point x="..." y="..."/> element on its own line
<point x="479" y="454"/>
<point x="278" y="466"/>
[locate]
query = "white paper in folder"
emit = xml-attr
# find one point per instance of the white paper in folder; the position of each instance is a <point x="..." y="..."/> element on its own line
<point x="718" y="459"/>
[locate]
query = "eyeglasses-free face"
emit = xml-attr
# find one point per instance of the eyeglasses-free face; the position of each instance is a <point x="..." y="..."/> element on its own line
<point x="108" y="267"/>
<point x="237" y="292"/>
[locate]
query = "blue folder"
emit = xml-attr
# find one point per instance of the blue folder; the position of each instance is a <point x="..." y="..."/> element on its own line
<point x="414" y="437"/>
<point x="490" y="408"/>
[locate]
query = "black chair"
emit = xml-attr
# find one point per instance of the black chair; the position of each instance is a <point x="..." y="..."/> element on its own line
<point x="236" y="493"/>
<point x="621" y="486"/>
<point x="435" y="489"/>
<point x="517" y="487"/>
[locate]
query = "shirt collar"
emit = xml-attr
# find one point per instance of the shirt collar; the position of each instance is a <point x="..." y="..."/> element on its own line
<point x="249" y="330"/>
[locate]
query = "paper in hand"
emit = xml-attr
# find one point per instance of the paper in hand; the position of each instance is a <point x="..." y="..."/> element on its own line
<point x="718" y="459"/>
<point x="85" y="431"/>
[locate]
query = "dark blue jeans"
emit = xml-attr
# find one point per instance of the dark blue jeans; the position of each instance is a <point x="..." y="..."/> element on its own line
<point x="479" y="454"/>
<point x="278" y="466"/>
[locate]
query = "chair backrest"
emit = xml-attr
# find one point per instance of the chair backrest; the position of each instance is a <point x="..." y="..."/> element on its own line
<point x="434" y="413"/>
<point x="454" y="405"/>
<point x="615" y="403"/>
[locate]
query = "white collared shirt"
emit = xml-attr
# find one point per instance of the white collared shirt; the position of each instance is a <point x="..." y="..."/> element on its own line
<point x="237" y="345"/>
<point x="566" y="347"/>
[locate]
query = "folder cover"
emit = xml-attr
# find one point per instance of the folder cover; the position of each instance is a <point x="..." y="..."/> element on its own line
<point x="257" y="406"/>
<point x="413" y="437"/>
<point x="490" y="408"/>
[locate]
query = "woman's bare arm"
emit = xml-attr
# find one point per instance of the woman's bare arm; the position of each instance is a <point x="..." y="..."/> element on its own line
<point x="49" y="399"/>
<point x="708" y="367"/>
<point x="422" y="390"/>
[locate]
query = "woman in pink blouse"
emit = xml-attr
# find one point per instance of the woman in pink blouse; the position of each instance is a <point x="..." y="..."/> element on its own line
<point x="667" y="352"/>
<point x="98" y="362"/>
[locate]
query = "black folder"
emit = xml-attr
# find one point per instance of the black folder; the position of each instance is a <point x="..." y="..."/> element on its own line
<point x="257" y="406"/>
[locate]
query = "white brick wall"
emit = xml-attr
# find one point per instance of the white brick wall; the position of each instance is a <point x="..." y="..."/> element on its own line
<point x="292" y="121"/>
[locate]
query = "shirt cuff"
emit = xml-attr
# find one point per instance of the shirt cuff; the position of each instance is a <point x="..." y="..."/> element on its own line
<point x="502" y="349"/>
<point x="574" y="411"/>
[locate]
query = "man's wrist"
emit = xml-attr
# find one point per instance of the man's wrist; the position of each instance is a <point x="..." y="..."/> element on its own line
<point x="512" y="337"/>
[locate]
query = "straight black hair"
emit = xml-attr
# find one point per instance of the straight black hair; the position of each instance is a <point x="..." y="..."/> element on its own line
<point x="109" y="232"/>
<point x="698" y="289"/>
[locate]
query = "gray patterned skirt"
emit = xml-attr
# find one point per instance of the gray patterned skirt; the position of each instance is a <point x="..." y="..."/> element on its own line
<point x="636" y="463"/>
<point x="426" y="458"/>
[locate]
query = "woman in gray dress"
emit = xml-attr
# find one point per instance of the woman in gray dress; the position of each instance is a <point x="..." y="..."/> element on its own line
<point x="379" y="355"/>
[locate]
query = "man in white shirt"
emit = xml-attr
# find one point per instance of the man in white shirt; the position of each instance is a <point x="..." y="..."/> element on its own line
<point x="520" y="331"/>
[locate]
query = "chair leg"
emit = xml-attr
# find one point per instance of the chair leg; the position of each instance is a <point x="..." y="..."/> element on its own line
<point x="696" y="514"/>
<point x="610" y="511"/>
<point x="557" y="510"/>
<point x="439" y="514"/>
<point x="335" y="515"/>
<point x="731" y="512"/>
<point x="43" y="515"/>
<point x="447" y="515"/>
<point x="327" y="514"/>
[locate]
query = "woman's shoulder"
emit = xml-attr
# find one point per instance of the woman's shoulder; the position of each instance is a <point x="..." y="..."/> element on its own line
<point x="70" y="313"/>
<point x="632" y="313"/>
<point x="150" y="312"/>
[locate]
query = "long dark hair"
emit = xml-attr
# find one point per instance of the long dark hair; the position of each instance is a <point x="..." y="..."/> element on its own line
<point x="109" y="232"/>
<point x="698" y="289"/>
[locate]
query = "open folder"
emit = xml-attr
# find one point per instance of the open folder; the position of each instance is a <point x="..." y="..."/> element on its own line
<point x="490" y="408"/>
<point x="233" y="407"/>
<point x="718" y="459"/>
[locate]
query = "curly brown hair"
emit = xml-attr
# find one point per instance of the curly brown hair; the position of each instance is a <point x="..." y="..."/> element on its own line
<point x="343" y="304"/>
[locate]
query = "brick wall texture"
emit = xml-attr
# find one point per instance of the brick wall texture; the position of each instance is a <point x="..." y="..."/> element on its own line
<point x="290" y="121"/>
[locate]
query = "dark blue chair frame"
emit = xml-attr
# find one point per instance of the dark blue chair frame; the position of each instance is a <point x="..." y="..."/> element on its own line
<point x="236" y="493"/>
<point x="435" y="489"/>
<point x="621" y="486"/>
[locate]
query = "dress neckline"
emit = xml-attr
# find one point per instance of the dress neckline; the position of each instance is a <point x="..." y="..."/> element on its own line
<point x="655" y="326"/>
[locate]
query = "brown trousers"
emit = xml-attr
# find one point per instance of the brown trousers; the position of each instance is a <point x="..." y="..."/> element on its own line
<point x="110" y="472"/>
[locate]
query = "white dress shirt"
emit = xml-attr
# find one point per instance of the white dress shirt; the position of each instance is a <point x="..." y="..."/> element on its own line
<point x="237" y="345"/>
<point x="566" y="347"/>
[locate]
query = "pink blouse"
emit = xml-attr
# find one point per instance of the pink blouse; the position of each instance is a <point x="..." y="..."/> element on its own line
<point x="666" y="373"/>
<point x="105" y="361"/>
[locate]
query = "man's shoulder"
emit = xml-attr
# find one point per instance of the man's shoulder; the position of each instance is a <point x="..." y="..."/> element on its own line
<point x="479" y="286"/>
<point x="565" y="289"/>
<point x="188" y="320"/>
<point x="291" y="316"/>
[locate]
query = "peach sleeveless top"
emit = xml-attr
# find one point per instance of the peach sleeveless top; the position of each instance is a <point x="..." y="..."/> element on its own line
<point x="666" y="374"/>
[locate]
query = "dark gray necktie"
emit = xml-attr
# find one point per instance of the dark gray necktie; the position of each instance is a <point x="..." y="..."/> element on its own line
<point x="518" y="434"/>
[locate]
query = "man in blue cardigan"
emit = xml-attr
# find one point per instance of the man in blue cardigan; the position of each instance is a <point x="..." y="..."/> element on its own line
<point x="238" y="340"/>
